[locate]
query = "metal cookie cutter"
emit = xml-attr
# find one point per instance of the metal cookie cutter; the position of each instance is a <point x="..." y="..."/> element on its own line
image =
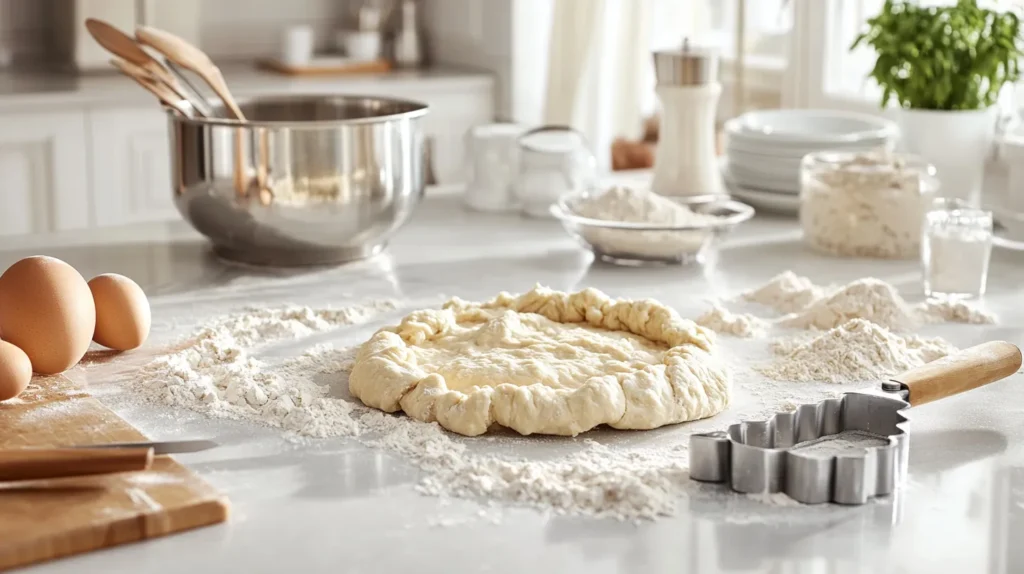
<point x="757" y="457"/>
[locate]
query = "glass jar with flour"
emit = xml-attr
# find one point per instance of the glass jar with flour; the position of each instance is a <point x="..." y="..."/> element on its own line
<point x="865" y="203"/>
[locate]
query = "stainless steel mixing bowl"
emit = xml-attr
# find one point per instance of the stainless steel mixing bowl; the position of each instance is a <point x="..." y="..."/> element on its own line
<point x="306" y="180"/>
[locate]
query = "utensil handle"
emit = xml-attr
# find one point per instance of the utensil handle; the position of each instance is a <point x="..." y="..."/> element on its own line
<point x="38" y="463"/>
<point x="953" y="374"/>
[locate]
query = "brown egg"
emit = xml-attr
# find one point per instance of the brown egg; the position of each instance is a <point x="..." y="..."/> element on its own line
<point x="15" y="371"/>
<point x="122" y="312"/>
<point x="47" y="311"/>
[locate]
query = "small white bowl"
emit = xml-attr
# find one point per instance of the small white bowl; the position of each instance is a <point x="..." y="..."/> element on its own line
<point x="802" y="127"/>
<point x="636" y="244"/>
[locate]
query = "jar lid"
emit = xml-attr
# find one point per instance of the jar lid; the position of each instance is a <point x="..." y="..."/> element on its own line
<point x="687" y="66"/>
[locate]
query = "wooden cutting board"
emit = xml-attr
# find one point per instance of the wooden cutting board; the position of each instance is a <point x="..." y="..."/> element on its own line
<point x="48" y="519"/>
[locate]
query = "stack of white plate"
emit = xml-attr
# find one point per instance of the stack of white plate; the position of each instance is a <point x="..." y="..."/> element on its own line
<point x="764" y="149"/>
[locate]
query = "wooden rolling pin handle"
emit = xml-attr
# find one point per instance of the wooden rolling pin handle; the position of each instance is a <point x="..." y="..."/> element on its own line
<point x="39" y="463"/>
<point x="953" y="374"/>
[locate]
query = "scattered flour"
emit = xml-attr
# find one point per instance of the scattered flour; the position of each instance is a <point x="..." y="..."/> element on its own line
<point x="773" y="499"/>
<point x="787" y="292"/>
<point x="857" y="350"/>
<point x="721" y="320"/>
<point x="869" y="298"/>
<point x="953" y="311"/>
<point x="628" y="205"/>
<point x="849" y="442"/>
<point x="216" y="374"/>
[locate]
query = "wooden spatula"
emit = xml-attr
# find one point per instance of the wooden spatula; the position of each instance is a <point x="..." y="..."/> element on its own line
<point x="154" y="86"/>
<point x="191" y="58"/>
<point x="125" y="47"/>
<point x="187" y="56"/>
<point x="40" y="463"/>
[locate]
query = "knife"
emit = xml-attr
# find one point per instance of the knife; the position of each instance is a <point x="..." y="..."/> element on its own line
<point x="160" y="447"/>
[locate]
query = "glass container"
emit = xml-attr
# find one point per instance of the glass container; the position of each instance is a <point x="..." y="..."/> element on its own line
<point x="492" y="164"/>
<point x="865" y="203"/>
<point x="955" y="251"/>
<point x="553" y="160"/>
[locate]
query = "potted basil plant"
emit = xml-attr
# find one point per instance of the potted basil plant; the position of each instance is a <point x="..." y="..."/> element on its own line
<point x="945" y="66"/>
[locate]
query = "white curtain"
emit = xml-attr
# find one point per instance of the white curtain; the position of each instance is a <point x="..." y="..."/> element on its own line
<point x="600" y="79"/>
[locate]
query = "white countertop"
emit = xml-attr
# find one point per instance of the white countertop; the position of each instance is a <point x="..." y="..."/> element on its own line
<point x="336" y="506"/>
<point x="25" y="90"/>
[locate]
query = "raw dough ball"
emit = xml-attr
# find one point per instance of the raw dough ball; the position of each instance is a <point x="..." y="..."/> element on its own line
<point x="47" y="311"/>
<point x="15" y="371"/>
<point x="544" y="362"/>
<point x="122" y="312"/>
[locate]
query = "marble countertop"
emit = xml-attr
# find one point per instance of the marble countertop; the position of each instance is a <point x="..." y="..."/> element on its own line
<point x="27" y="90"/>
<point x="335" y="506"/>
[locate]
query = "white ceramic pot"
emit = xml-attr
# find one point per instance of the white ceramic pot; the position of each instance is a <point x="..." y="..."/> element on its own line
<point x="362" y="45"/>
<point x="1012" y="154"/>
<point x="957" y="143"/>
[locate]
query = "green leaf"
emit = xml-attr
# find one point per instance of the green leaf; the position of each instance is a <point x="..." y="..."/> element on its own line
<point x="943" y="57"/>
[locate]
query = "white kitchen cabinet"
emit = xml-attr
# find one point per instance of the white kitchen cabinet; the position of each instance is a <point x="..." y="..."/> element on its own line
<point x="43" y="173"/>
<point x="131" y="169"/>
<point x="449" y="119"/>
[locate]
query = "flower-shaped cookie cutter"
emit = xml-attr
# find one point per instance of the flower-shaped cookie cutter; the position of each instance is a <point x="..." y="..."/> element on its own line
<point x="759" y="456"/>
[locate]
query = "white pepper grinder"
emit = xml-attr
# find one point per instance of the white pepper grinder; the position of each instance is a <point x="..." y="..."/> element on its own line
<point x="685" y="163"/>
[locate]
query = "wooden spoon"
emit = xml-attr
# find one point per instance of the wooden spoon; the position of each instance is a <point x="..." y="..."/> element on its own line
<point x="191" y="58"/>
<point x="159" y="89"/>
<point x="125" y="47"/>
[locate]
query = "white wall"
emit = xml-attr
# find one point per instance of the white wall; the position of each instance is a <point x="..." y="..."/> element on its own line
<point x="235" y="29"/>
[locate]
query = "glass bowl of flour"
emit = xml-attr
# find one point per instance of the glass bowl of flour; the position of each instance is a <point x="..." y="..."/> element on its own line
<point x="630" y="226"/>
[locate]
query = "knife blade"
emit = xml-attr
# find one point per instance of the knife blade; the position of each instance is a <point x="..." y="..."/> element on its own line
<point x="161" y="447"/>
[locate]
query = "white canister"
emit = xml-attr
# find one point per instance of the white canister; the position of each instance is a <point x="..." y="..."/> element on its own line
<point x="552" y="160"/>
<point x="297" y="44"/>
<point x="685" y="163"/>
<point x="958" y="143"/>
<point x="362" y="45"/>
<point x="492" y="164"/>
<point x="1012" y="153"/>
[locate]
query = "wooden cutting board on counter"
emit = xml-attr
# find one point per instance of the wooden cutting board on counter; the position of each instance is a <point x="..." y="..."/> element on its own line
<point x="43" y="520"/>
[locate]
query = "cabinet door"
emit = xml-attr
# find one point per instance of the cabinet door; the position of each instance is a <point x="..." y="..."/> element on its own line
<point x="131" y="166"/>
<point x="43" y="175"/>
<point x="450" y="118"/>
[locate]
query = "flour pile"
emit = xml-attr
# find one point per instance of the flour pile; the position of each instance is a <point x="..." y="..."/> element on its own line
<point x="723" y="321"/>
<point x="954" y="311"/>
<point x="857" y="350"/>
<point x="871" y="299"/>
<point x="628" y="205"/>
<point x="787" y="292"/>
<point x="810" y="306"/>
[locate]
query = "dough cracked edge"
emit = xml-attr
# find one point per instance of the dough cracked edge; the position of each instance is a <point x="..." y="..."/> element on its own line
<point x="689" y="385"/>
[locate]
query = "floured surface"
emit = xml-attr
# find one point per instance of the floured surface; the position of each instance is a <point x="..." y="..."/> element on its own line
<point x="49" y="519"/>
<point x="625" y="476"/>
